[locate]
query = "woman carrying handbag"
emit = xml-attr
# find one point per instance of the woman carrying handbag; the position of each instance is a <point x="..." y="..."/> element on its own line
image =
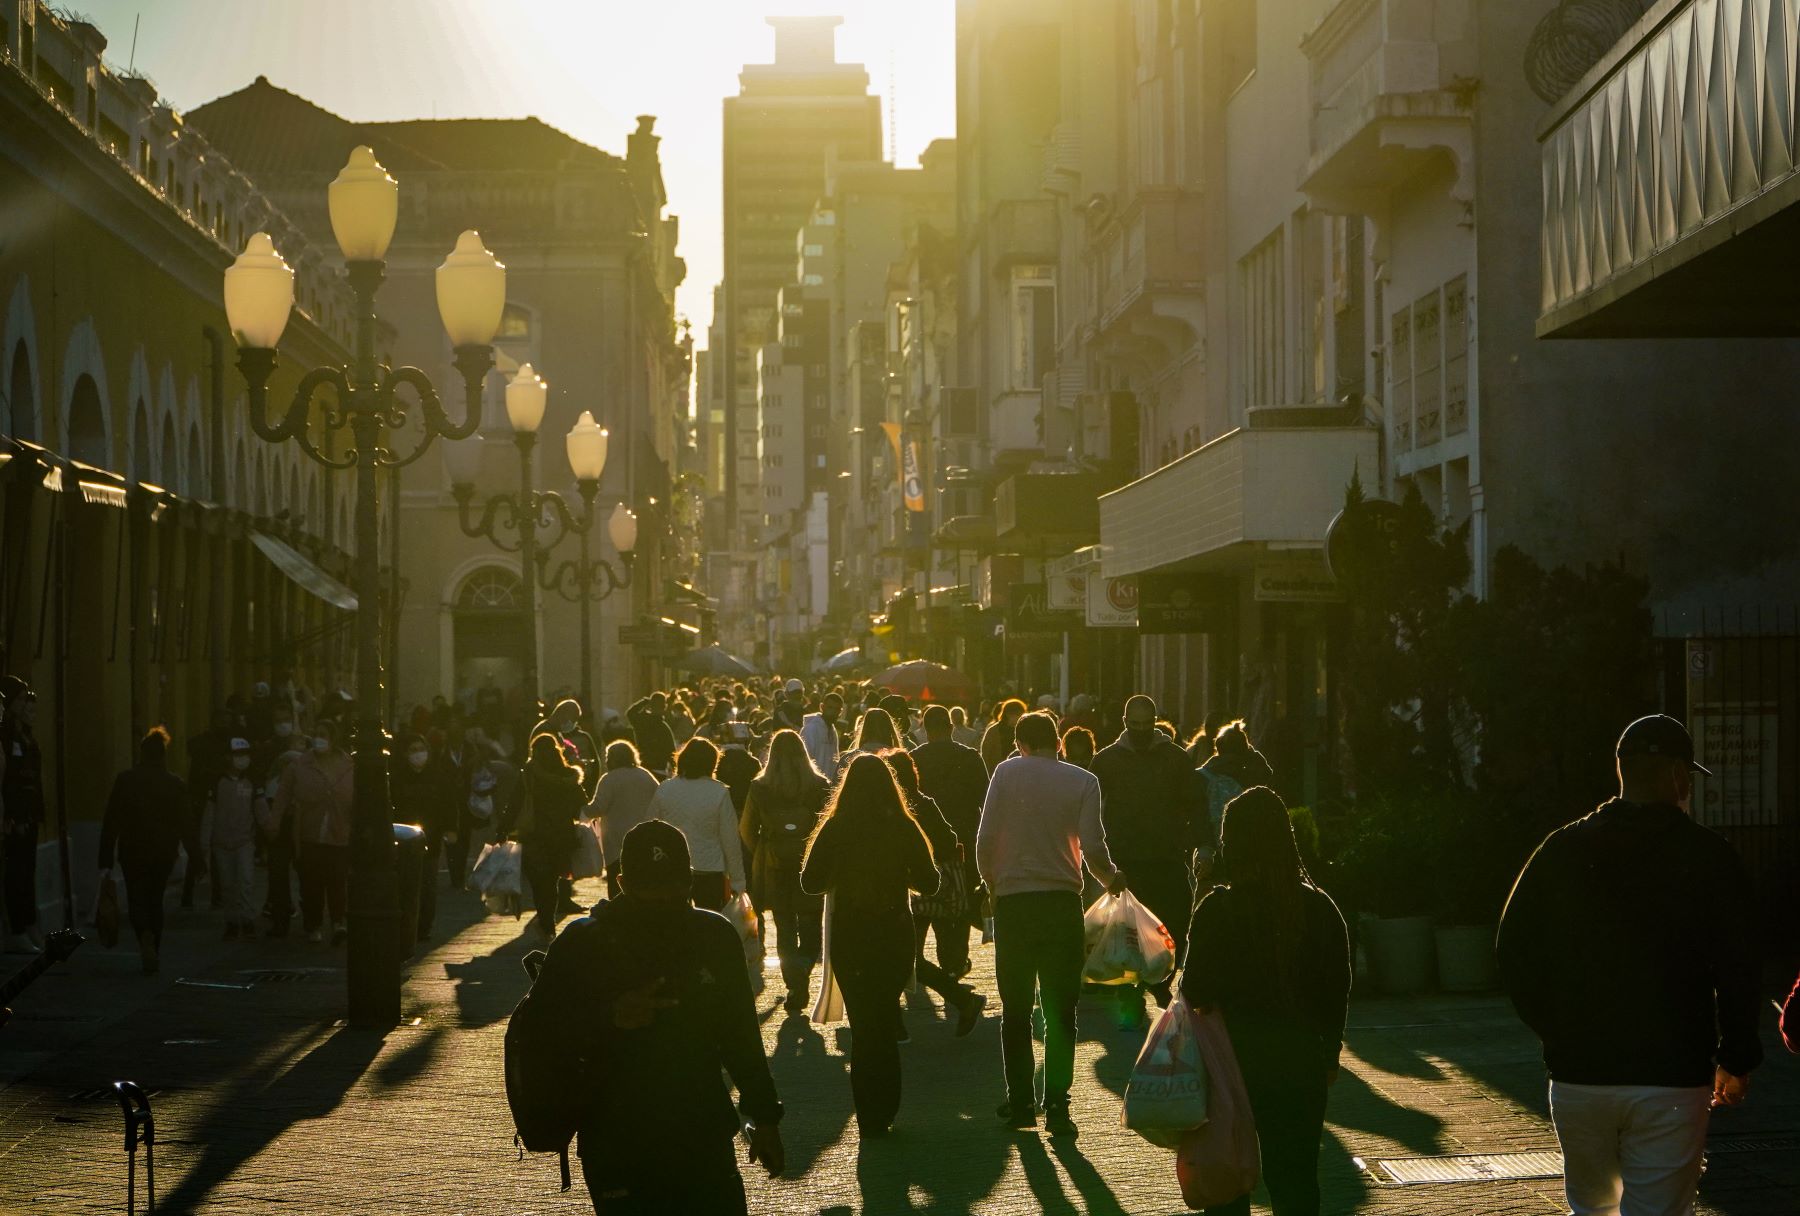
<point x="780" y="813"/>
<point x="1269" y="951"/>
<point x="946" y="905"/>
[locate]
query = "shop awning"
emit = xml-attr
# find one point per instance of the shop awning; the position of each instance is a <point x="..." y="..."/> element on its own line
<point x="305" y="572"/>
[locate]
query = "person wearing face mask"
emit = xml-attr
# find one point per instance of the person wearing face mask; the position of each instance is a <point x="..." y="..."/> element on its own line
<point x="317" y="791"/>
<point x="142" y="831"/>
<point x="237" y="808"/>
<point x="1148" y="788"/>
<point x="269" y="760"/>
<point x="1629" y="946"/>
<point x="21" y="813"/>
<point x="419" y="797"/>
<point x="454" y="765"/>
<point x="565" y="723"/>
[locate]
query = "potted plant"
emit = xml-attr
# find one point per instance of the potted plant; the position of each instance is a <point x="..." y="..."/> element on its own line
<point x="1384" y="875"/>
<point x="1472" y="872"/>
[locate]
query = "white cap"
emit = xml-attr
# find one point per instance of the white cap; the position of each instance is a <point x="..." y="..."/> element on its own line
<point x="1047" y="701"/>
<point x="240" y="745"/>
<point x="794" y="686"/>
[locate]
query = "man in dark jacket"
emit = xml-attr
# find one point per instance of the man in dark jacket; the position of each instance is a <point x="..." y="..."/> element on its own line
<point x="1628" y="946"/>
<point x="1147" y="790"/>
<point x="659" y="992"/>
<point x="954" y="777"/>
<point x="655" y="741"/>
<point x="565" y="723"/>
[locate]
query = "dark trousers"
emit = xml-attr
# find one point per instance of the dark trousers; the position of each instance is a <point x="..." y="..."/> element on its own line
<point x="145" y="883"/>
<point x="799" y="922"/>
<point x="18" y="874"/>
<point x="711" y="890"/>
<point x="324" y="882"/>
<point x="940" y="979"/>
<point x="1165" y="886"/>
<point x="456" y="853"/>
<point x="679" y="1175"/>
<point x="544" y="867"/>
<point x="1038" y="945"/>
<point x="871" y="956"/>
<point x="1287" y="1095"/>
<point x="196" y="858"/>
<point x="281" y="883"/>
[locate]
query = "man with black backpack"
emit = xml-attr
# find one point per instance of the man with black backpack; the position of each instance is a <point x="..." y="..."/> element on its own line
<point x="640" y="1007"/>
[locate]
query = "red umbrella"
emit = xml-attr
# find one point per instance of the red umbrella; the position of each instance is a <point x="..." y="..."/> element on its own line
<point x="923" y="680"/>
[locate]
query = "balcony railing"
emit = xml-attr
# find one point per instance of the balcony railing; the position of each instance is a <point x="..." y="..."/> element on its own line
<point x="1279" y="485"/>
<point x="1151" y="260"/>
<point x="1680" y="140"/>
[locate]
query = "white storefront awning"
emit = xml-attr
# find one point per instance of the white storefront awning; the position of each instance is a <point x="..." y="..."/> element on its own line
<point x="302" y="569"/>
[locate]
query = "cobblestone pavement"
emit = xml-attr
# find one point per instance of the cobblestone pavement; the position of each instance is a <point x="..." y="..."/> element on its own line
<point x="264" y="1104"/>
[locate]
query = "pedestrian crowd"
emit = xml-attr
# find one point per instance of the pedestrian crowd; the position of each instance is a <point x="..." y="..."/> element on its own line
<point x="841" y="828"/>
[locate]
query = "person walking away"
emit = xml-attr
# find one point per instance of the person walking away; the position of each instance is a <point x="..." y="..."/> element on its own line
<point x="1628" y="946"/>
<point x="565" y="723"/>
<point x="952" y="775"/>
<point x="21" y="813"/>
<point x="780" y="813"/>
<point x="997" y="740"/>
<point x="867" y="853"/>
<point x="621" y="801"/>
<point x="961" y="731"/>
<point x="947" y="849"/>
<point x="1270" y="952"/>
<point x="317" y="791"/>
<point x="416" y="789"/>
<point x="818" y="731"/>
<point x="1234" y="766"/>
<point x="657" y="994"/>
<point x="237" y="808"/>
<point x="209" y="758"/>
<point x="142" y="829"/>
<point x="875" y="734"/>
<point x="1078" y="747"/>
<point x="1147" y="785"/>
<point x="655" y="741"/>
<point x="1040" y="824"/>
<point x="453" y="766"/>
<point x="269" y="765"/>
<point x="701" y="807"/>
<point x="544" y="822"/>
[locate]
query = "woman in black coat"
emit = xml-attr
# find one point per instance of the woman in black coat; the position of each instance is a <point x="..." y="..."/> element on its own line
<point x="948" y="850"/>
<point x="867" y="853"/>
<point x="554" y="802"/>
<point x="1270" y="952"/>
<point x="778" y="819"/>
<point x="142" y="830"/>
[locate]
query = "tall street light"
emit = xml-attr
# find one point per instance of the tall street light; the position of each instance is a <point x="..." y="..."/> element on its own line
<point x="364" y="204"/>
<point x="588" y="581"/>
<point x="531" y="510"/>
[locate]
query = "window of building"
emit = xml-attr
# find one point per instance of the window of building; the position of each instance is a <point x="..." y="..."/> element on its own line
<point x="813" y="251"/>
<point x="1262" y="320"/>
<point x="515" y="324"/>
<point x="1033" y="324"/>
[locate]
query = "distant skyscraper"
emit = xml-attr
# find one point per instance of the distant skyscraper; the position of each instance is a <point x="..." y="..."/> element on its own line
<point x="779" y="129"/>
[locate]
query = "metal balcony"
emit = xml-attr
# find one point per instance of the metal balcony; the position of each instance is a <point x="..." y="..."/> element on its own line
<point x="1669" y="179"/>
<point x="1150" y="274"/>
<point x="1391" y="84"/>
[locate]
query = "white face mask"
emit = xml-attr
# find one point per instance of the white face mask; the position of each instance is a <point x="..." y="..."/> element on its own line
<point x="240" y="763"/>
<point x="417" y="759"/>
<point x="321" y="746"/>
<point x="283" y="729"/>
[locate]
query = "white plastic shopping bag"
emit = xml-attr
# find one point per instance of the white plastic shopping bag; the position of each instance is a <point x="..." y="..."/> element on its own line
<point x="829" y="1006"/>
<point x="587" y="859"/>
<point x="1166" y="1096"/>
<point x="497" y="871"/>
<point x="1126" y="944"/>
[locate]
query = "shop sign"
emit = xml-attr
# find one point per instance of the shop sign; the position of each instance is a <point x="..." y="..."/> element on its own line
<point x="1184" y="603"/>
<point x="1295" y="582"/>
<point x="1031" y="623"/>
<point x="1738" y="741"/>
<point x="1112" y="603"/>
<point x="1065" y="582"/>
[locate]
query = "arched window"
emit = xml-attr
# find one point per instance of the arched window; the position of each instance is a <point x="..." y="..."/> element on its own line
<point x="140" y="441"/>
<point x="21" y="416"/>
<point x="195" y="475"/>
<point x="168" y="458"/>
<point x="490" y="589"/>
<point x="87" y="424"/>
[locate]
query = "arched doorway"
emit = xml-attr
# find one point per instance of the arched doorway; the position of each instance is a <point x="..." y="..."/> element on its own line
<point x="489" y="637"/>
<point x="20" y="399"/>
<point x="87" y="424"/>
<point x="168" y="457"/>
<point x="140" y="442"/>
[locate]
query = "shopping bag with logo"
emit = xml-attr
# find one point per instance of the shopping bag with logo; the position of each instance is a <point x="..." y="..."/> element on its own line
<point x="1126" y="944"/>
<point x="1219" y="1161"/>
<point x="587" y="859"/>
<point x="1166" y="1096"/>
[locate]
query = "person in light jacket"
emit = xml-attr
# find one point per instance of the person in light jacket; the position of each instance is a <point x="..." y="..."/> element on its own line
<point x="238" y="808"/>
<point x="317" y="790"/>
<point x="702" y="808"/>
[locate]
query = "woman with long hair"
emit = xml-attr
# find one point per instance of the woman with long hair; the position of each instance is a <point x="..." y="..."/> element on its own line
<point x="867" y="853"/>
<point x="700" y="805"/>
<point x="547" y="837"/>
<point x="997" y="741"/>
<point x="780" y="813"/>
<point x="1269" y="951"/>
<point x="876" y="733"/>
<point x="948" y="851"/>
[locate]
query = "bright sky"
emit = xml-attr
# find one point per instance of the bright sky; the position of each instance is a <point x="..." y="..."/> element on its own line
<point x="585" y="66"/>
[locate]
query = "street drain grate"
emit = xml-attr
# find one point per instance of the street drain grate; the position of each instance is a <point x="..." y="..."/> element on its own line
<point x="1468" y="1167"/>
<point x="106" y="1092"/>
<point x="1753" y="1144"/>
<point x="279" y="977"/>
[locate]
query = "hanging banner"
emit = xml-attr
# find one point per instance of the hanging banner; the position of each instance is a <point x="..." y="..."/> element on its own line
<point x="912" y="479"/>
<point x="893" y="434"/>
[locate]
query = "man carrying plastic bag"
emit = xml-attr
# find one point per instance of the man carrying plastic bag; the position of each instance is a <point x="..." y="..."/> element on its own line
<point x="1126" y="944"/>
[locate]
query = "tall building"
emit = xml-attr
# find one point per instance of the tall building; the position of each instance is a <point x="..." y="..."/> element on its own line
<point x="787" y="118"/>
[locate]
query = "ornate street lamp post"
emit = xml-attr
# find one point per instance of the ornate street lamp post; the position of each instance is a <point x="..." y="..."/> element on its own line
<point x="588" y="581"/>
<point x="259" y="295"/>
<point x="530" y="510"/>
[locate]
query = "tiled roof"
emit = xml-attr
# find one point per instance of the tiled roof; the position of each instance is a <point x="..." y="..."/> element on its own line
<point x="268" y="130"/>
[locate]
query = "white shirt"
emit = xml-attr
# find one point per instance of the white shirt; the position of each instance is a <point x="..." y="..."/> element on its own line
<point x="821" y="744"/>
<point x="701" y="808"/>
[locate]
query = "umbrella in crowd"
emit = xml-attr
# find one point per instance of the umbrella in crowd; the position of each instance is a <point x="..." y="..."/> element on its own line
<point x="714" y="660"/>
<point x="843" y="660"/>
<point x="923" y="680"/>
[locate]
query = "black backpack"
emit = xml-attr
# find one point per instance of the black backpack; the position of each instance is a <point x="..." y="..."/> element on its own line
<point x="544" y="1069"/>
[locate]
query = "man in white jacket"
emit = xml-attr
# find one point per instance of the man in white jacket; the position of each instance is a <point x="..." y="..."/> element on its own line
<point x="820" y="736"/>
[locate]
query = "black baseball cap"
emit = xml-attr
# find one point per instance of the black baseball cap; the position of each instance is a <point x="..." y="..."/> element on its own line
<point x="1660" y="735"/>
<point x="655" y="852"/>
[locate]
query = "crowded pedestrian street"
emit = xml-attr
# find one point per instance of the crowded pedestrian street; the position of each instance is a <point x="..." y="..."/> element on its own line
<point x="264" y="1101"/>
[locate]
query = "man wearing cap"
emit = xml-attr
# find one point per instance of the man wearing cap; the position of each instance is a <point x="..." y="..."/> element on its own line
<point x="791" y="711"/>
<point x="659" y="992"/>
<point x="1629" y="946"/>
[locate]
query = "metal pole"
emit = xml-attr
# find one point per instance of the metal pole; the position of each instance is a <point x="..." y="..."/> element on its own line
<point x="528" y="525"/>
<point x="373" y="958"/>
<point x="585" y="584"/>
